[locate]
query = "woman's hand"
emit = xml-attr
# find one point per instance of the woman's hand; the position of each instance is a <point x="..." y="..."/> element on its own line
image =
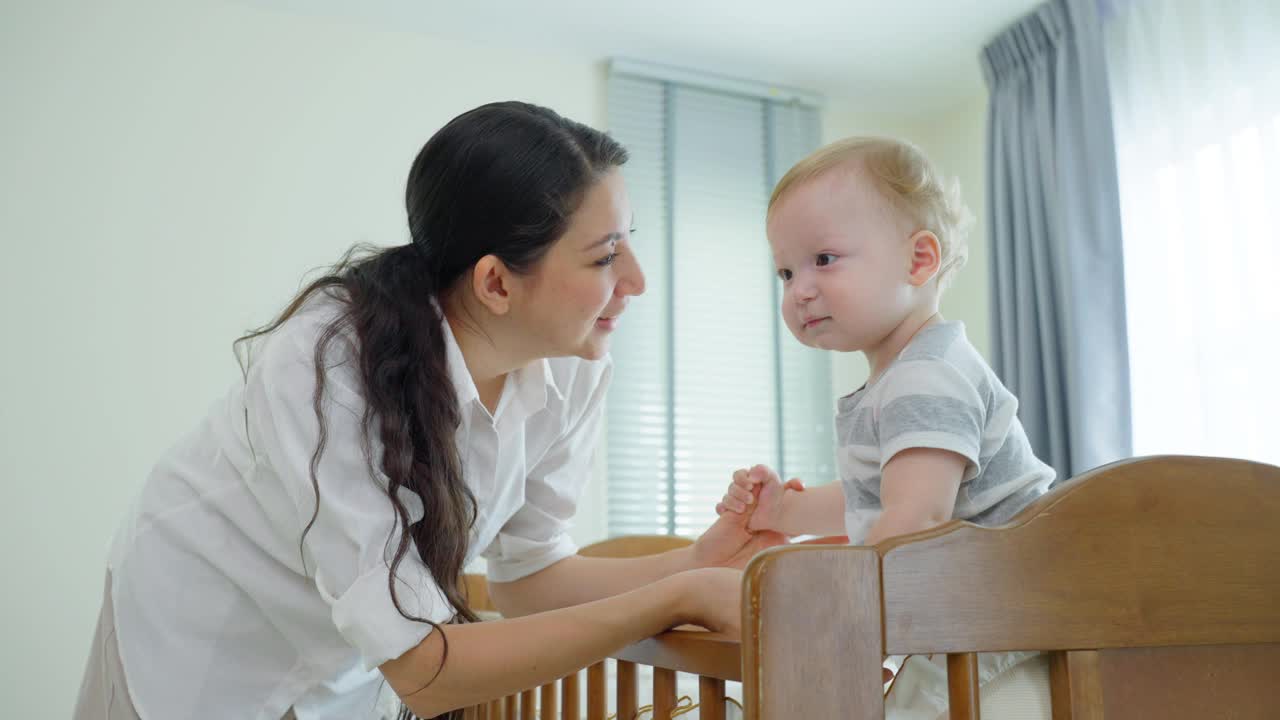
<point x="728" y="542"/>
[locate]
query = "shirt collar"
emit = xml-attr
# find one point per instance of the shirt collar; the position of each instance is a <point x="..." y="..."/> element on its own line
<point x="463" y="385"/>
<point x="531" y="385"/>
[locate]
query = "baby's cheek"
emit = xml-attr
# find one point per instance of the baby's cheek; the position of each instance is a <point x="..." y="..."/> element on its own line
<point x="788" y="313"/>
<point x="792" y="323"/>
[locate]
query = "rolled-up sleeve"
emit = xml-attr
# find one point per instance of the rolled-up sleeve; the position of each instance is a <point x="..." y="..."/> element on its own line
<point x="348" y="548"/>
<point x="537" y="535"/>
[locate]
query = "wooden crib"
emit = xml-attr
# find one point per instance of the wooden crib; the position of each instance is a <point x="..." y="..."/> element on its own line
<point x="1153" y="584"/>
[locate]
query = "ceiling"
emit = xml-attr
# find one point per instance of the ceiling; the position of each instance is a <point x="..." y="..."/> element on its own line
<point x="893" y="56"/>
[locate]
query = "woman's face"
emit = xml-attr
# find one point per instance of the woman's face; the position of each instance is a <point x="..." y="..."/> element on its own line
<point x="575" y="295"/>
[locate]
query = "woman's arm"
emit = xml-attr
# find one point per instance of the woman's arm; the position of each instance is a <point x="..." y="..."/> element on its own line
<point x="494" y="659"/>
<point x="577" y="579"/>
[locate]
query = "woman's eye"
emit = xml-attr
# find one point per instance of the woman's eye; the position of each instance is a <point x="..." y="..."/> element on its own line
<point x="607" y="259"/>
<point x="825" y="259"/>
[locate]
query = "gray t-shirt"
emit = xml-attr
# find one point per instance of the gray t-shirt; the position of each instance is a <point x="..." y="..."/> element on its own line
<point x="938" y="393"/>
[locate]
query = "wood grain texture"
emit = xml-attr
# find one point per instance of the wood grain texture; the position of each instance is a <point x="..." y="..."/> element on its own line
<point x="528" y="705"/>
<point x="1241" y="682"/>
<point x="811" y="633"/>
<point x="962" y="686"/>
<point x="1148" y="552"/>
<point x="628" y="690"/>
<point x="711" y="698"/>
<point x="597" y="692"/>
<point x="549" y="705"/>
<point x="664" y="693"/>
<point x="570" y="699"/>
<point x="691" y="650"/>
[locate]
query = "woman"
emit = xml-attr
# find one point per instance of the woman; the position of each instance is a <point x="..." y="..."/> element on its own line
<point x="417" y="407"/>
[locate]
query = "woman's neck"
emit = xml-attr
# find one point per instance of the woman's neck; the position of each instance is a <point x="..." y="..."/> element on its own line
<point x="481" y="348"/>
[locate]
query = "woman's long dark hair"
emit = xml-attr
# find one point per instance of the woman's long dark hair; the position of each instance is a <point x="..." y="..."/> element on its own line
<point x="503" y="180"/>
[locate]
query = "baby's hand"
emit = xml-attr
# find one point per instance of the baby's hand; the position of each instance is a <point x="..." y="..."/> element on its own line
<point x="758" y="492"/>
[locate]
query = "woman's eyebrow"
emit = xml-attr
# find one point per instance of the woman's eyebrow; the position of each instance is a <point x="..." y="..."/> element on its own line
<point x="611" y="237"/>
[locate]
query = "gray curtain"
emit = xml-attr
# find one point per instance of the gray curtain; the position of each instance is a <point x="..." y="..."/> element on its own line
<point x="1057" y="275"/>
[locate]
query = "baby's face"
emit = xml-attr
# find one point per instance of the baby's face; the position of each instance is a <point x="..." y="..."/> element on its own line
<point x="842" y="253"/>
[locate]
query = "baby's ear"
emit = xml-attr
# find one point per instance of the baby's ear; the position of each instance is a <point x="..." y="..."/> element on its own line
<point x="926" y="257"/>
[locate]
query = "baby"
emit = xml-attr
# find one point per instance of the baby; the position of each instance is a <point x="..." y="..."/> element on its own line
<point x="865" y="237"/>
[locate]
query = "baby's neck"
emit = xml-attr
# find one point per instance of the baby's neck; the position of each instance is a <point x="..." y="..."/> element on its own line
<point x="883" y="355"/>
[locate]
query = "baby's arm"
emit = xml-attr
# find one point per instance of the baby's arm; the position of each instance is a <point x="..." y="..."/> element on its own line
<point x="815" y="511"/>
<point x="918" y="490"/>
<point x="789" y="509"/>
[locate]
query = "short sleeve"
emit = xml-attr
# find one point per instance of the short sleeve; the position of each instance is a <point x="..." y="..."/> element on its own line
<point x="537" y="535"/>
<point x="349" y="547"/>
<point x="929" y="403"/>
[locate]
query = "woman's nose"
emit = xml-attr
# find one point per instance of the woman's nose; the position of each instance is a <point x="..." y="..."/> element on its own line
<point x="631" y="280"/>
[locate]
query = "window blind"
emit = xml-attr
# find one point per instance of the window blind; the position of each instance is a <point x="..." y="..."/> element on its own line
<point x="707" y="378"/>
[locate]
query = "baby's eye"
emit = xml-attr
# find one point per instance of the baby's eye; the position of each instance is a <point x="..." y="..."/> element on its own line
<point x="825" y="259"/>
<point x="784" y="274"/>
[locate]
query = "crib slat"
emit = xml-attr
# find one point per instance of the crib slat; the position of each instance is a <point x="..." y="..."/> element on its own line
<point x="1075" y="685"/>
<point x="710" y="698"/>
<point x="597" y="704"/>
<point x="494" y="711"/>
<point x="627" y="703"/>
<point x="664" y="693"/>
<point x="569" y="697"/>
<point x="962" y="685"/>
<point x="471" y="713"/>
<point x="528" y="704"/>
<point x="510" y="707"/>
<point x="549" y="704"/>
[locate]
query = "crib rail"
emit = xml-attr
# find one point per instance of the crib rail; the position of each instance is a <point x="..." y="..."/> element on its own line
<point x="712" y="657"/>
<point x="1165" y="606"/>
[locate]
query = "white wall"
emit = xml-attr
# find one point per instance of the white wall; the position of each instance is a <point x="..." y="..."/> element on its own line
<point x="955" y="139"/>
<point x="170" y="171"/>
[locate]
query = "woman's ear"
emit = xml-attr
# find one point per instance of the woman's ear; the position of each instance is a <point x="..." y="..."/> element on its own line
<point x="926" y="257"/>
<point x="490" y="283"/>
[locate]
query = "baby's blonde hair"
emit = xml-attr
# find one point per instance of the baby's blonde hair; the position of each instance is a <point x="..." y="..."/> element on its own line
<point x="903" y="176"/>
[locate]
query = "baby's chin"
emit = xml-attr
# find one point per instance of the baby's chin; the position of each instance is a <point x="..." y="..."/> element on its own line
<point x="828" y="342"/>
<point x="800" y="338"/>
<point x="814" y="343"/>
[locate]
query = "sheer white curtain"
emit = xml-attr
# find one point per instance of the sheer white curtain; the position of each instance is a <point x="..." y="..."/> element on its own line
<point x="1196" y="97"/>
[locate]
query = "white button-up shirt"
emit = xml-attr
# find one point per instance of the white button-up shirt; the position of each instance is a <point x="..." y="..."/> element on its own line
<point x="221" y="613"/>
